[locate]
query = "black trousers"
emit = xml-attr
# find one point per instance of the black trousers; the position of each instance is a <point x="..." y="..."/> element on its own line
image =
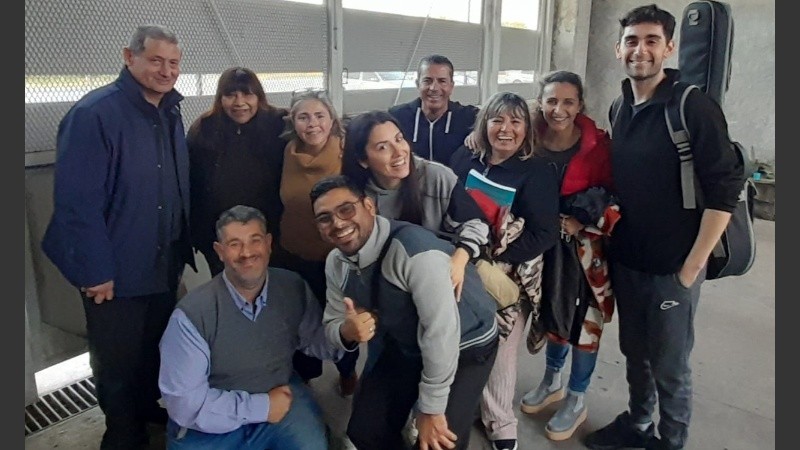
<point x="386" y="394"/>
<point x="123" y="336"/>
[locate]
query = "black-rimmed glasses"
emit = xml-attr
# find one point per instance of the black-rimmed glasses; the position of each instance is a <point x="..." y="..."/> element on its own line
<point x="345" y="211"/>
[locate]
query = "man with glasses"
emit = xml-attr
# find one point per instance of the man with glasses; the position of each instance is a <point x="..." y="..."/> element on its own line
<point x="434" y="125"/>
<point x="226" y="355"/>
<point x="389" y="285"/>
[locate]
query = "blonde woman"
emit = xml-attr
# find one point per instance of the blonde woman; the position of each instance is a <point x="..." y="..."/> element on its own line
<point x="503" y="153"/>
<point x="313" y="151"/>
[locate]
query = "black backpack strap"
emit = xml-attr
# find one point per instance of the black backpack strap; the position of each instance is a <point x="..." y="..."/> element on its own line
<point x="679" y="133"/>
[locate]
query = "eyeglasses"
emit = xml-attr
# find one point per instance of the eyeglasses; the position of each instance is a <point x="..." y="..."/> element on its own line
<point x="309" y="92"/>
<point x="345" y="211"/>
<point x="315" y="90"/>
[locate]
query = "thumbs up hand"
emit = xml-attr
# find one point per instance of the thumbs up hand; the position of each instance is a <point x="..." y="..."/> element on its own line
<point x="359" y="324"/>
<point x="349" y="307"/>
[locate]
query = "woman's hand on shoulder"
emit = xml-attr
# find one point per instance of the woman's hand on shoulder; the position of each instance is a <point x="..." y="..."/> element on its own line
<point x="471" y="141"/>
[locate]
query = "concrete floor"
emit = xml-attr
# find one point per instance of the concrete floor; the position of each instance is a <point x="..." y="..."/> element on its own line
<point x="733" y="364"/>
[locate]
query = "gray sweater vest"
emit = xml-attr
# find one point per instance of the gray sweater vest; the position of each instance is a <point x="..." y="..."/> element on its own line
<point x="246" y="355"/>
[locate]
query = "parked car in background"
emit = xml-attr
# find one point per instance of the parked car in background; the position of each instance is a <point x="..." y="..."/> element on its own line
<point x="377" y="80"/>
<point x="514" y="76"/>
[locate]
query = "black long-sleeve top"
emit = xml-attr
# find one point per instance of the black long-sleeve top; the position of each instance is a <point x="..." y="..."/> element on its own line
<point x="655" y="233"/>
<point x="232" y="164"/>
<point x="536" y="199"/>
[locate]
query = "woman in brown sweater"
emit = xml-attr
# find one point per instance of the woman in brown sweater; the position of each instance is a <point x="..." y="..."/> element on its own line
<point x="314" y="151"/>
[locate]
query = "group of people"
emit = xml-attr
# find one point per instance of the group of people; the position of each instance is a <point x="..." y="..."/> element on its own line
<point x="324" y="239"/>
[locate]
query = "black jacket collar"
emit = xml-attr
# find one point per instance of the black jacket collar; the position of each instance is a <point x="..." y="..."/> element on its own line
<point x="663" y="90"/>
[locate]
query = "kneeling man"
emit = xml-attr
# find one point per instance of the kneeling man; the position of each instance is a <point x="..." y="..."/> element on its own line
<point x="226" y="356"/>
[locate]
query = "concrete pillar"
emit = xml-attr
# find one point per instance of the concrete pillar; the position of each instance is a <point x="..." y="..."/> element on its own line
<point x="571" y="36"/>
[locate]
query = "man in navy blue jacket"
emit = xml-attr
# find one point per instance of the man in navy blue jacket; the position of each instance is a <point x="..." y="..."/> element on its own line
<point x="119" y="228"/>
<point x="434" y="125"/>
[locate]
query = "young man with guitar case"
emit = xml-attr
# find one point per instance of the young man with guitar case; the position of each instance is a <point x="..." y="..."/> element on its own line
<point x="659" y="249"/>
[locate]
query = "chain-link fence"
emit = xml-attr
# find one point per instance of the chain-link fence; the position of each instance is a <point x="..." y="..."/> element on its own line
<point x="74" y="46"/>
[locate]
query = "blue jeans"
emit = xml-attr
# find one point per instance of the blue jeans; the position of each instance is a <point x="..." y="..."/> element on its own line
<point x="583" y="363"/>
<point x="301" y="429"/>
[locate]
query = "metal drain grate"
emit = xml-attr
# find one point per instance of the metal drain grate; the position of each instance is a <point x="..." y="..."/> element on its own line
<point x="59" y="405"/>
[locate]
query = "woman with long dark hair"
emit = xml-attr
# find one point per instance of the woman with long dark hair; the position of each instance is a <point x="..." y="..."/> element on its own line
<point x="235" y="158"/>
<point x="378" y="158"/>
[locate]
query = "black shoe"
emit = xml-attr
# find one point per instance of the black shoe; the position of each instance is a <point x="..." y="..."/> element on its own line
<point x="505" y="444"/>
<point x="657" y="444"/>
<point x="620" y="433"/>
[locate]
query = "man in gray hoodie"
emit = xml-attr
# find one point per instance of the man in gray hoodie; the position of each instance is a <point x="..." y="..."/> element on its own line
<point x="389" y="285"/>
